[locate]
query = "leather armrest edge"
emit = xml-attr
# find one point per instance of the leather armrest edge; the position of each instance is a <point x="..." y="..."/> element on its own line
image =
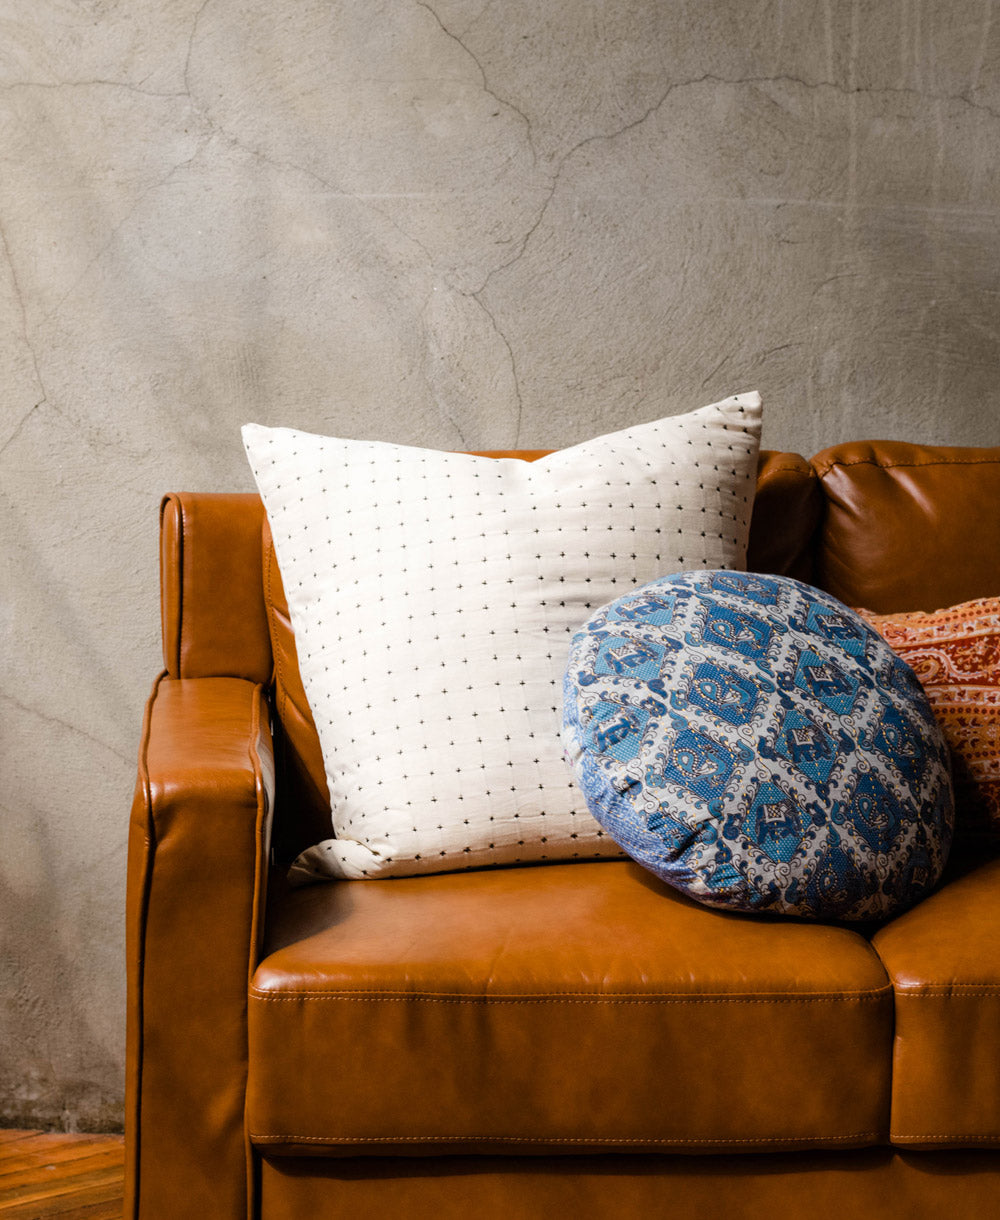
<point x="171" y="568"/>
<point x="199" y="842"/>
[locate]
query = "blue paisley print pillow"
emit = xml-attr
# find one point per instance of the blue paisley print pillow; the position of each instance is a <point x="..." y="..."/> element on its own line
<point x="758" y="746"/>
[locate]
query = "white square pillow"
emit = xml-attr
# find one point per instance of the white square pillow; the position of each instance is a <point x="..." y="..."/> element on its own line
<point x="433" y="597"/>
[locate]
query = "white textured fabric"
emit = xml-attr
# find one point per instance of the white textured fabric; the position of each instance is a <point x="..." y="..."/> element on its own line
<point x="433" y="597"/>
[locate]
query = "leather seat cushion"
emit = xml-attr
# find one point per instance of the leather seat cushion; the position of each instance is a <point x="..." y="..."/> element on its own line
<point x="944" y="960"/>
<point x="567" y="1008"/>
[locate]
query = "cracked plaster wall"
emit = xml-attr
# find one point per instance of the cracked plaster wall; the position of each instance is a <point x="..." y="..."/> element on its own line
<point x="456" y="224"/>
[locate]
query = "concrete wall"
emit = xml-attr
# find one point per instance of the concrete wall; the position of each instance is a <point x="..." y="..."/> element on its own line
<point x="460" y="223"/>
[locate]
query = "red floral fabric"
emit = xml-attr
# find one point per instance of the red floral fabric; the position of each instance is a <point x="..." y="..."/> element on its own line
<point x="956" y="655"/>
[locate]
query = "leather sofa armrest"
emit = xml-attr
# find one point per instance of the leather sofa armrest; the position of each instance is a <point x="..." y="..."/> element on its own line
<point x="197" y="869"/>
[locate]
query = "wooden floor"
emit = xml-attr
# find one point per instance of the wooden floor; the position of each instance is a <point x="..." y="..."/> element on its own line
<point x="69" y="1176"/>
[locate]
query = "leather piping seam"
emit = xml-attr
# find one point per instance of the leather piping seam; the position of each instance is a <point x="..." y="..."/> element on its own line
<point x="824" y="470"/>
<point x="944" y="991"/>
<point x="946" y="1139"/>
<point x="257" y="904"/>
<point x="182" y="540"/>
<point x="173" y="663"/>
<point x="808" y="474"/>
<point x="559" y="1139"/>
<point x="569" y="997"/>
<point x="143" y="914"/>
<point x="263" y="804"/>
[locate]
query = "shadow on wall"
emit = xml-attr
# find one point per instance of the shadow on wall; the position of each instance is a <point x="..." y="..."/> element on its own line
<point x="54" y="1069"/>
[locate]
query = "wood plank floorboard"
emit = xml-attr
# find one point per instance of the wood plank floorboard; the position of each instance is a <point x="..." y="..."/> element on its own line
<point x="72" y="1177"/>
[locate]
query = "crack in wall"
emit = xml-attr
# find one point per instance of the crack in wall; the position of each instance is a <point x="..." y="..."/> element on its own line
<point x="7" y="86"/>
<point x="984" y="37"/>
<point x="564" y="159"/>
<point x="117" y="228"/>
<point x="428" y="374"/>
<point x="478" y="17"/>
<point x="705" y="78"/>
<point x="725" y="360"/>
<point x="330" y="188"/>
<point x="487" y="87"/>
<point x="713" y="78"/>
<point x="236" y="142"/>
<point x="73" y="728"/>
<point x="27" y="342"/>
<point x="186" y="75"/>
<point x="395" y="224"/>
<point x="851" y="90"/>
<point x="21" y="425"/>
<point x="54" y="311"/>
<point x="454" y="423"/>
<point x="770" y="351"/>
<point x="556" y="175"/>
<point x="447" y="415"/>
<point x="513" y="364"/>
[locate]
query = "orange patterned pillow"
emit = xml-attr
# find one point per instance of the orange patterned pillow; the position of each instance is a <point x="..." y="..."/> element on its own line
<point x="956" y="655"/>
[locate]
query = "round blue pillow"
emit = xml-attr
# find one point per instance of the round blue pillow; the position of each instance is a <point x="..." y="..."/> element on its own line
<point x="758" y="746"/>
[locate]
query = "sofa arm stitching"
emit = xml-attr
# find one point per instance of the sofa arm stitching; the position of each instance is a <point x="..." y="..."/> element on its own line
<point x="555" y="1139"/>
<point x="568" y="997"/>
<point x="822" y="471"/>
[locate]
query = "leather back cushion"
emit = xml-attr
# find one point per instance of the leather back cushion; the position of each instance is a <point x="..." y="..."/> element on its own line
<point x="301" y="776"/>
<point x="213" y="615"/>
<point x="909" y="527"/>
<point x="786" y="513"/>
<point x="785" y="516"/>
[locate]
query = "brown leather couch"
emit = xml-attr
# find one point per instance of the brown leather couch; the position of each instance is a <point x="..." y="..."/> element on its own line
<point x="568" y="1039"/>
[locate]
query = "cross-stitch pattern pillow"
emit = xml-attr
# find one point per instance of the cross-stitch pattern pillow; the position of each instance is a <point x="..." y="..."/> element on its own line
<point x="433" y="597"/>
<point x="758" y="746"/>
<point x="956" y="655"/>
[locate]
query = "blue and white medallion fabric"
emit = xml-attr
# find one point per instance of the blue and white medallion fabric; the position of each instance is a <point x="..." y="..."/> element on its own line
<point x="756" y="745"/>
